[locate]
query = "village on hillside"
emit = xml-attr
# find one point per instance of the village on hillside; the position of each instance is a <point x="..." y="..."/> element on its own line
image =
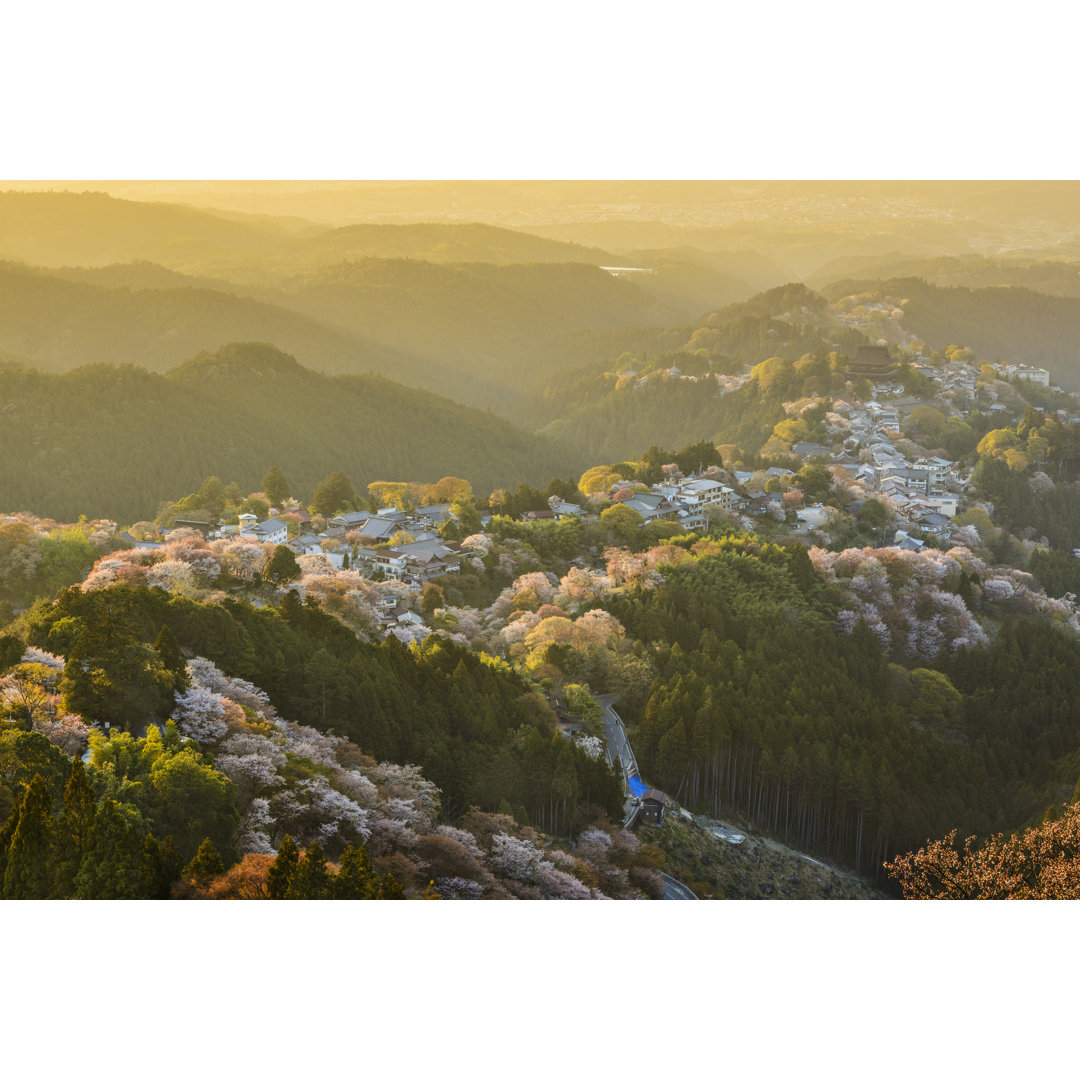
<point x="868" y="457"/>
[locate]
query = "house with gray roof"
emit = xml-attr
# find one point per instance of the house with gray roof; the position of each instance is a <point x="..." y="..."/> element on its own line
<point x="807" y="450"/>
<point x="270" y="531"/>
<point x="652" y="507"/>
<point x="352" y="520"/>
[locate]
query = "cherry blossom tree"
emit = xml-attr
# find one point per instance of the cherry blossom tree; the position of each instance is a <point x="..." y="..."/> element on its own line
<point x="201" y="714"/>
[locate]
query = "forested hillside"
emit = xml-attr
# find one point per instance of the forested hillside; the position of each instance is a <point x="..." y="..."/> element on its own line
<point x="831" y="741"/>
<point x="263" y="791"/>
<point x="1056" y="277"/>
<point x="118" y="440"/>
<point x="1010" y="324"/>
<point x="476" y="332"/>
<point x="442" y="707"/>
<point x="491" y="325"/>
<point x="66" y="324"/>
<point x="59" y="228"/>
<point x="613" y="405"/>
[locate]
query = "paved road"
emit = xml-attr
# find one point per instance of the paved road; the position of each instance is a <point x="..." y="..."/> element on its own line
<point x="618" y="747"/>
<point x="676" y="890"/>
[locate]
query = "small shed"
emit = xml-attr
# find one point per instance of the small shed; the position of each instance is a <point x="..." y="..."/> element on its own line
<point x="653" y="803"/>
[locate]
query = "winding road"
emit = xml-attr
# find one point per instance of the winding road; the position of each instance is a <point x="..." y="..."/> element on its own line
<point x="618" y="749"/>
<point x="618" y="745"/>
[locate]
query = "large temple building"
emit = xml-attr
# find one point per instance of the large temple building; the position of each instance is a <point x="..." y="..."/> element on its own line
<point x="872" y="362"/>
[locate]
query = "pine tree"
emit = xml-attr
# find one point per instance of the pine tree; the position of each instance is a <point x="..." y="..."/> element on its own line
<point x="206" y="863"/>
<point x="279" y="876"/>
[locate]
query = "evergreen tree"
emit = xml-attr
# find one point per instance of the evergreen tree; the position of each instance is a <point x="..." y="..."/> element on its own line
<point x="291" y="607"/>
<point x="206" y="863"/>
<point x="165" y="862"/>
<point x="390" y="889"/>
<point x="115" y="865"/>
<point x="355" y="879"/>
<point x="802" y="569"/>
<point x="279" y="876"/>
<point x="26" y="754"/>
<point x="109" y="675"/>
<point x="311" y="880"/>
<point x="212" y="495"/>
<point x="282" y="566"/>
<point x="275" y="486"/>
<point x="6" y="833"/>
<point x="30" y="870"/>
<point x="74" y="827"/>
<point x="11" y="651"/>
<point x="172" y="659"/>
<point x="333" y="495"/>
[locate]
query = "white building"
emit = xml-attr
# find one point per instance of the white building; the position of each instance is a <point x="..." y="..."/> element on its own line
<point x="271" y="531"/>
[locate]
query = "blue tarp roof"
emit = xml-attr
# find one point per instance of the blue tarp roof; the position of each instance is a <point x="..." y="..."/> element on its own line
<point x="637" y="788"/>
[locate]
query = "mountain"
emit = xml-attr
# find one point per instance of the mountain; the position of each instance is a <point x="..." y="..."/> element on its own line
<point x="490" y="324"/>
<point x="69" y="323"/>
<point x="1055" y="277"/>
<point x="595" y="405"/>
<point x="472" y="331"/>
<point x="1008" y="324"/>
<point x="117" y="440"/>
<point x="58" y="228"/>
<point x="443" y="242"/>
<point x="139" y="274"/>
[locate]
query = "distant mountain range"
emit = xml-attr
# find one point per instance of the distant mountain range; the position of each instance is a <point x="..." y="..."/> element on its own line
<point x="527" y="323"/>
<point x="118" y="440"/>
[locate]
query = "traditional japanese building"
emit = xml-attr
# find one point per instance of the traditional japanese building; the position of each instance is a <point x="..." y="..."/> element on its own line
<point x="872" y="362"/>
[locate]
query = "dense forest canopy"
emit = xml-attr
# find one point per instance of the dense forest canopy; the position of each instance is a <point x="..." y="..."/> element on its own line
<point x="234" y="411"/>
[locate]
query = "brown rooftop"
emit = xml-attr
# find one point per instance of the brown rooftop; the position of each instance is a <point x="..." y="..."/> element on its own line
<point x="871" y="360"/>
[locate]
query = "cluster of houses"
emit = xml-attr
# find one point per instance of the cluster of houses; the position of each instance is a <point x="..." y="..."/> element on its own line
<point x="368" y="537"/>
<point x="677" y="498"/>
<point x="355" y="536"/>
<point x="922" y="490"/>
